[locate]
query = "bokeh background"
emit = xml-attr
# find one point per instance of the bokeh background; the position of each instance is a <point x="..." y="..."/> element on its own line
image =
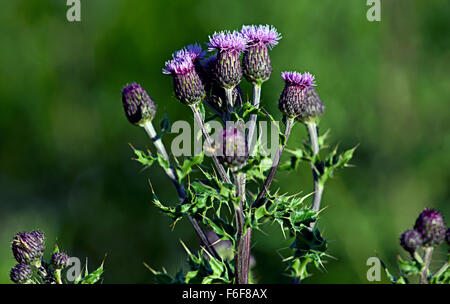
<point x="66" y="166"/>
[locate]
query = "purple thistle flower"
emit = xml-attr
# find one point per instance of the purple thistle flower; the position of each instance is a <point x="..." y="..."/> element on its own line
<point x="431" y="225"/>
<point x="27" y="247"/>
<point x="227" y="68"/>
<point x="304" y="81"/>
<point x="187" y="84"/>
<point x="194" y="51"/>
<point x="227" y="41"/>
<point x="261" y="34"/>
<point x="20" y="274"/>
<point x="232" y="148"/>
<point x="256" y="60"/>
<point x="38" y="235"/>
<point x="139" y="107"/>
<point x="299" y="99"/>
<point x="181" y="63"/>
<point x="411" y="240"/>
<point x="60" y="260"/>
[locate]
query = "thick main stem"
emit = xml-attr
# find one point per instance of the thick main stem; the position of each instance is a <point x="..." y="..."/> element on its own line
<point x="240" y="277"/>
<point x="426" y="260"/>
<point x="243" y="240"/>
<point x="318" y="187"/>
<point x="260" y="198"/>
<point x="171" y="173"/>
<point x="224" y="176"/>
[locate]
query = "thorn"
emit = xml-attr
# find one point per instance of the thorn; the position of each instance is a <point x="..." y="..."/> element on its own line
<point x="206" y="251"/>
<point x="185" y="247"/>
<point x="151" y="186"/>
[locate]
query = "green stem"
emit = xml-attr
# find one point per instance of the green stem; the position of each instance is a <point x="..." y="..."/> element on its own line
<point x="269" y="179"/>
<point x="441" y="270"/>
<point x="426" y="260"/>
<point x="230" y="103"/>
<point x="243" y="238"/>
<point x="58" y="276"/>
<point x="253" y="117"/>
<point x="171" y="173"/>
<point x="313" y="134"/>
<point x="199" y="120"/>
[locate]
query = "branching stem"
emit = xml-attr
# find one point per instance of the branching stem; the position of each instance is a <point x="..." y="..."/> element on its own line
<point x="171" y="173"/>
<point x="199" y="120"/>
<point x="253" y="117"/>
<point x="260" y="198"/>
<point x="426" y="260"/>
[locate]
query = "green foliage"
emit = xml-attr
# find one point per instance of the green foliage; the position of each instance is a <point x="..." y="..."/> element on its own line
<point x="411" y="270"/>
<point x="324" y="166"/>
<point x="213" y="201"/>
<point x="89" y="278"/>
<point x="202" y="269"/>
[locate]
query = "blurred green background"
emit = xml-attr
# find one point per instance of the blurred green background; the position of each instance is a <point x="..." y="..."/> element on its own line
<point x="65" y="163"/>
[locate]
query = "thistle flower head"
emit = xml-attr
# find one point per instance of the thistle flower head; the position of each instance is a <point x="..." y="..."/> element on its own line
<point x="139" y="107"/>
<point x="21" y="273"/>
<point x="60" y="260"/>
<point x="305" y="81"/>
<point x="227" y="41"/>
<point x="180" y="64"/>
<point x="299" y="99"/>
<point x="261" y="34"/>
<point x="194" y="51"/>
<point x="232" y="148"/>
<point x="38" y="235"/>
<point x="227" y="69"/>
<point x="28" y="247"/>
<point x="411" y="240"/>
<point x="431" y="226"/>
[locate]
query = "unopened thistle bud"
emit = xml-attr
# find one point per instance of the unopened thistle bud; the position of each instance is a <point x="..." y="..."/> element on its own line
<point x="39" y="235"/>
<point x="187" y="84"/>
<point x="256" y="60"/>
<point x="232" y="148"/>
<point x="411" y="240"/>
<point x="227" y="68"/>
<point x="28" y="247"/>
<point x="431" y="226"/>
<point x="139" y="107"/>
<point x="21" y="273"/>
<point x="299" y="98"/>
<point x="60" y="260"/>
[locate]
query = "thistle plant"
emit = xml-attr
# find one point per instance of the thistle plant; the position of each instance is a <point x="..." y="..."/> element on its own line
<point x="28" y="249"/>
<point x="226" y="190"/>
<point x="429" y="232"/>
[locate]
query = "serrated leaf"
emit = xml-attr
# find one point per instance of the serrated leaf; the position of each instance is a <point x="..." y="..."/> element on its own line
<point x="146" y="159"/>
<point x="93" y="277"/>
